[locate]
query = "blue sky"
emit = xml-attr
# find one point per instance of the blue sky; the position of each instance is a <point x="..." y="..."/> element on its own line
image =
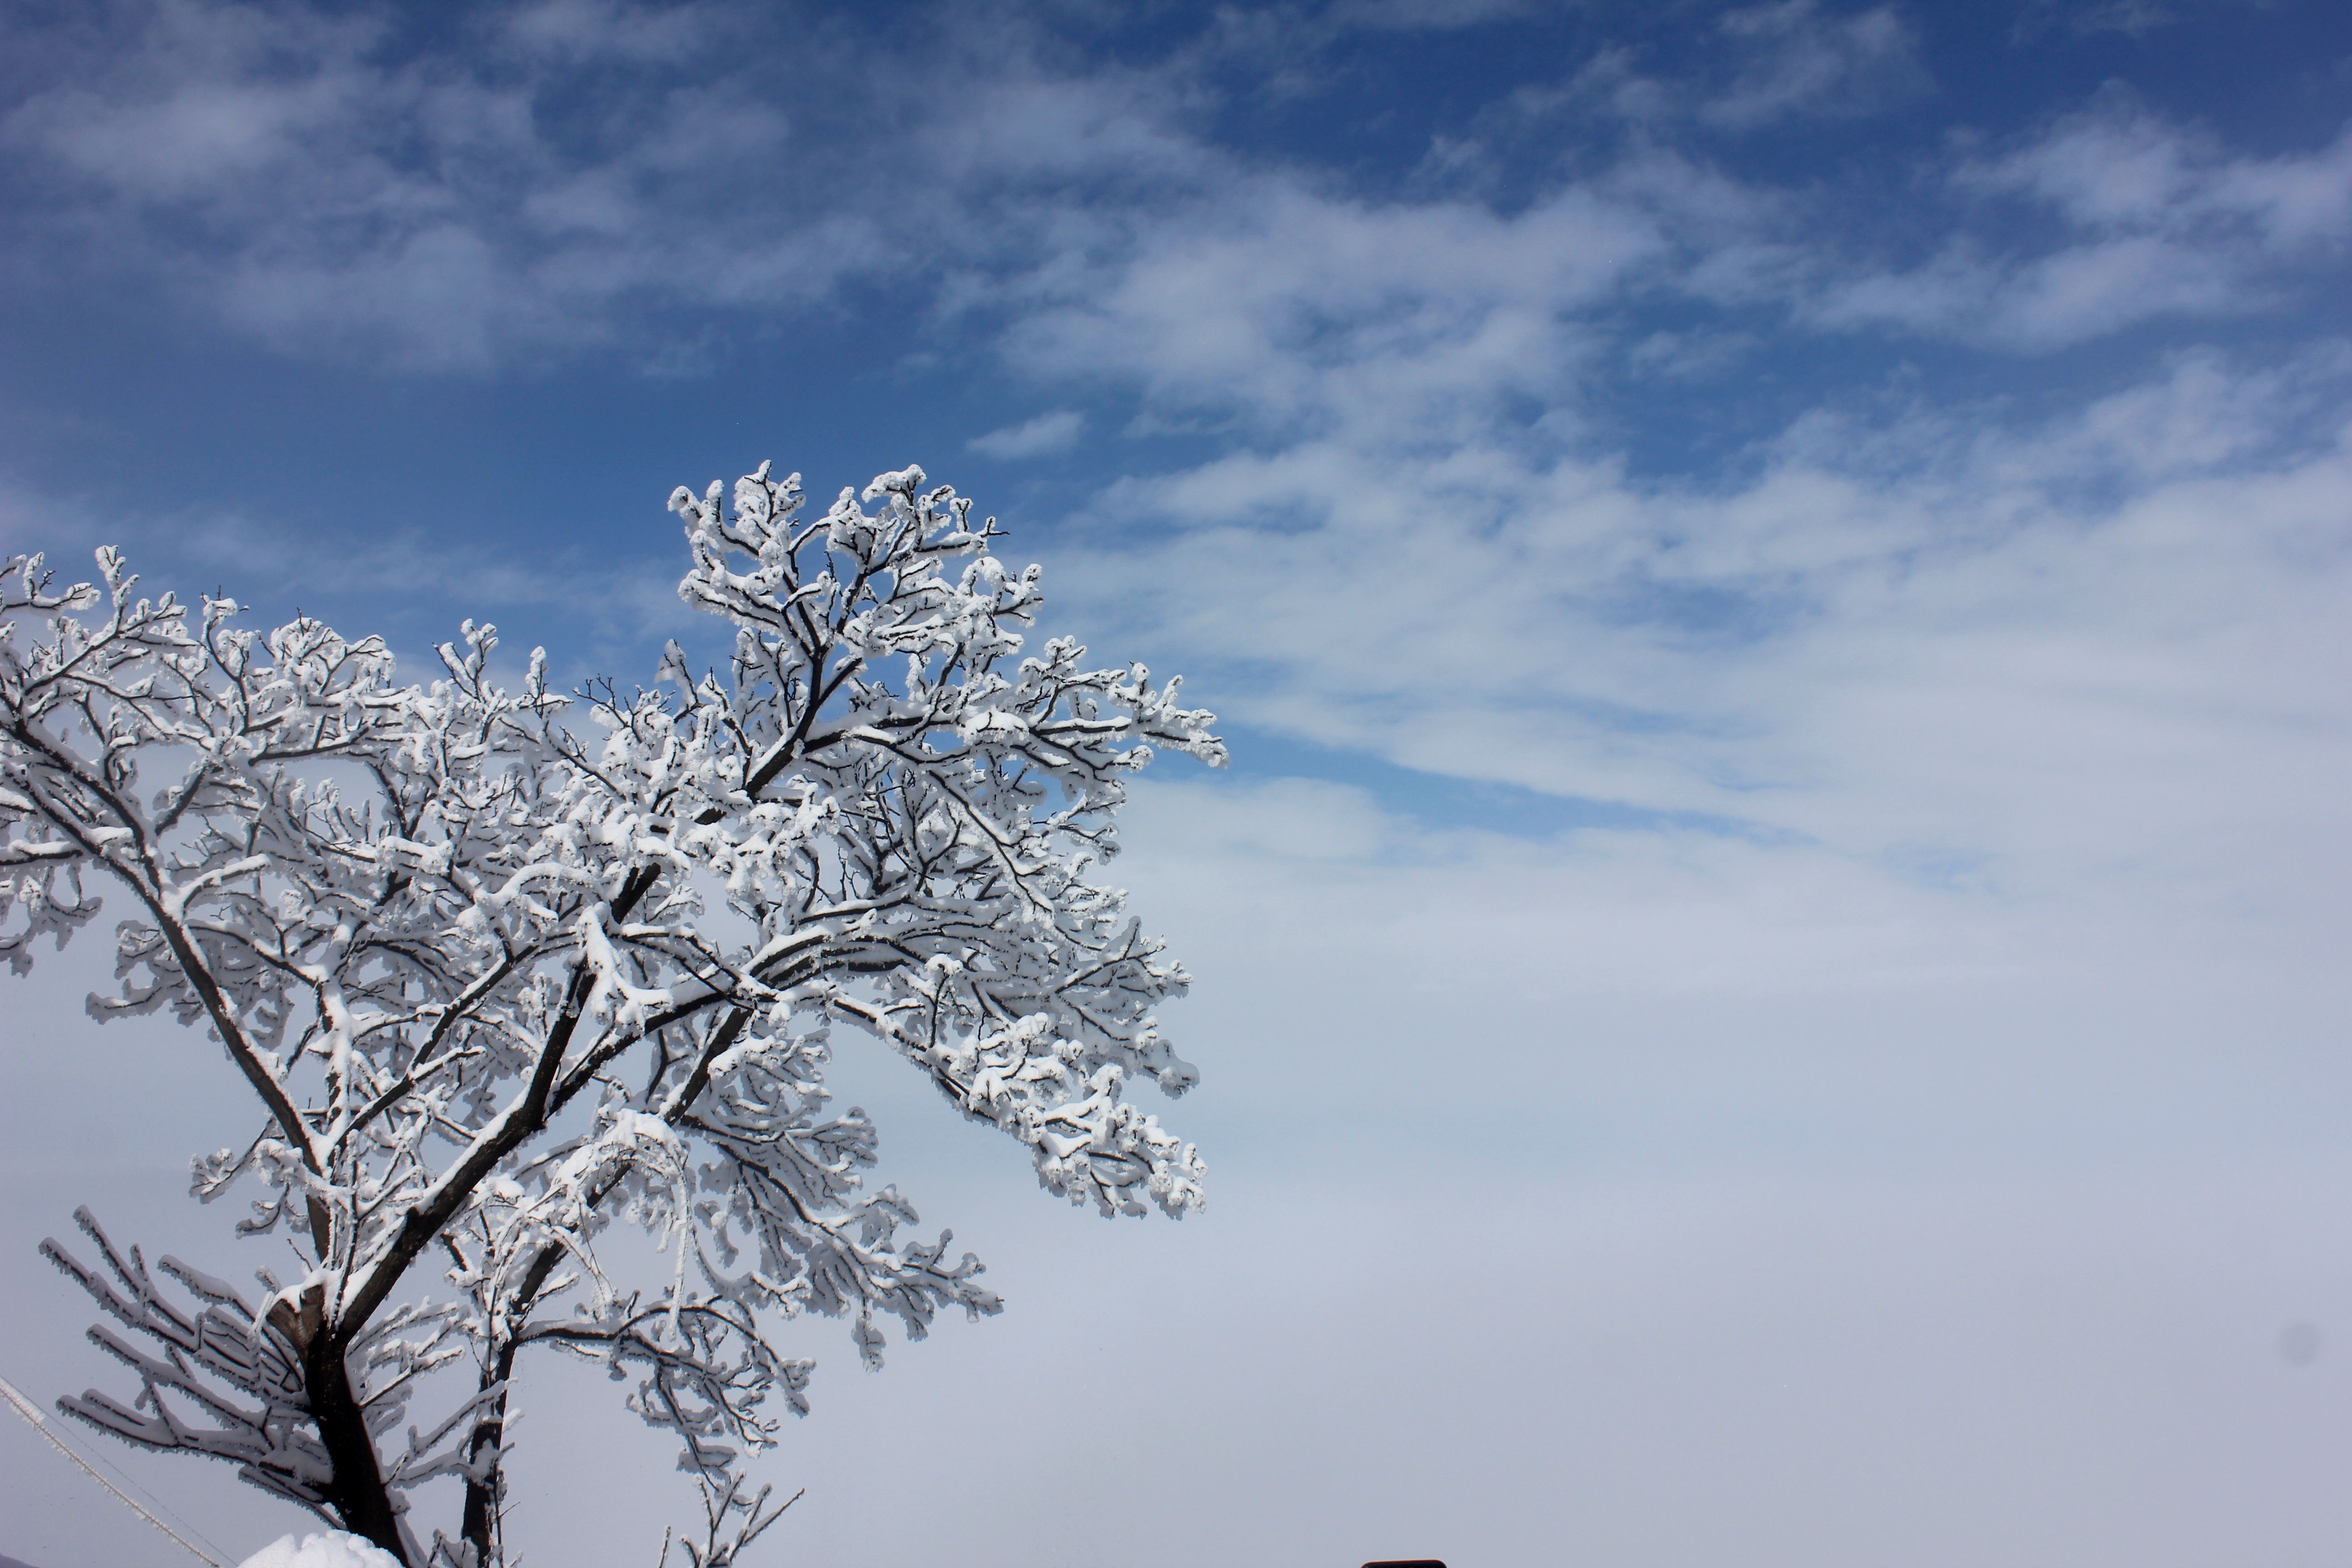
<point x="1779" y="579"/>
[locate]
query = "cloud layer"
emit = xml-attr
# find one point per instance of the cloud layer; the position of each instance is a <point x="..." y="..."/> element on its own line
<point x="361" y="184"/>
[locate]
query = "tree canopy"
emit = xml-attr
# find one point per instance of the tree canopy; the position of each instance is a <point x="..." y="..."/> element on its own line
<point x="504" y="966"/>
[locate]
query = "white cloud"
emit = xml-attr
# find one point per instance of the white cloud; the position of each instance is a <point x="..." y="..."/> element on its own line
<point x="1868" y="641"/>
<point x="1411" y="379"/>
<point x="2079" y="658"/>
<point x="2135" y="18"/>
<point x="2157" y="222"/>
<point x="2034" y="304"/>
<point x="1055" y="431"/>
<point x="440" y="211"/>
<point x="2116" y="168"/>
<point x="583" y="29"/>
<point x="1756" y="66"/>
<point x="445" y="210"/>
<point x="1297" y="306"/>
<point x="1802" y="63"/>
<point x="1690" y="355"/>
<point x="1415" y="15"/>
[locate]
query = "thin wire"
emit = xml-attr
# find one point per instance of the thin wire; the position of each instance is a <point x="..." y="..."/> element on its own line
<point x="40" y="1422"/>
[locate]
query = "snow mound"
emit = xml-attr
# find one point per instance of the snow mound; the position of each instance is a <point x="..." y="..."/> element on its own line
<point x="328" y="1549"/>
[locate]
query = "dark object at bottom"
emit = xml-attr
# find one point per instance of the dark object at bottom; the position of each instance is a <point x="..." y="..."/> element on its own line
<point x="1409" y="1563"/>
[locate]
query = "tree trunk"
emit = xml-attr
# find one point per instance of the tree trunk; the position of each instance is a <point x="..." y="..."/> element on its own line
<point x="490" y="1428"/>
<point x="357" y="1493"/>
<point x="481" y="1518"/>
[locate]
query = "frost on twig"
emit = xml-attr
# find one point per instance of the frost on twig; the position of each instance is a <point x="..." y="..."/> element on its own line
<point x="731" y="1521"/>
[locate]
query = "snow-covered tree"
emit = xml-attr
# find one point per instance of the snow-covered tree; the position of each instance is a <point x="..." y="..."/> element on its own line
<point x="505" y="967"/>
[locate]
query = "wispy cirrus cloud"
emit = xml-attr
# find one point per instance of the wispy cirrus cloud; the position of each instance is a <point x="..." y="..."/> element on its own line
<point x="2015" y="646"/>
<point x="1749" y="68"/>
<point x="1056" y="430"/>
<point x="337" y="188"/>
<point x="1800" y="62"/>
<point x="2115" y="166"/>
<point x="2146" y="220"/>
<point x="2134" y="18"/>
